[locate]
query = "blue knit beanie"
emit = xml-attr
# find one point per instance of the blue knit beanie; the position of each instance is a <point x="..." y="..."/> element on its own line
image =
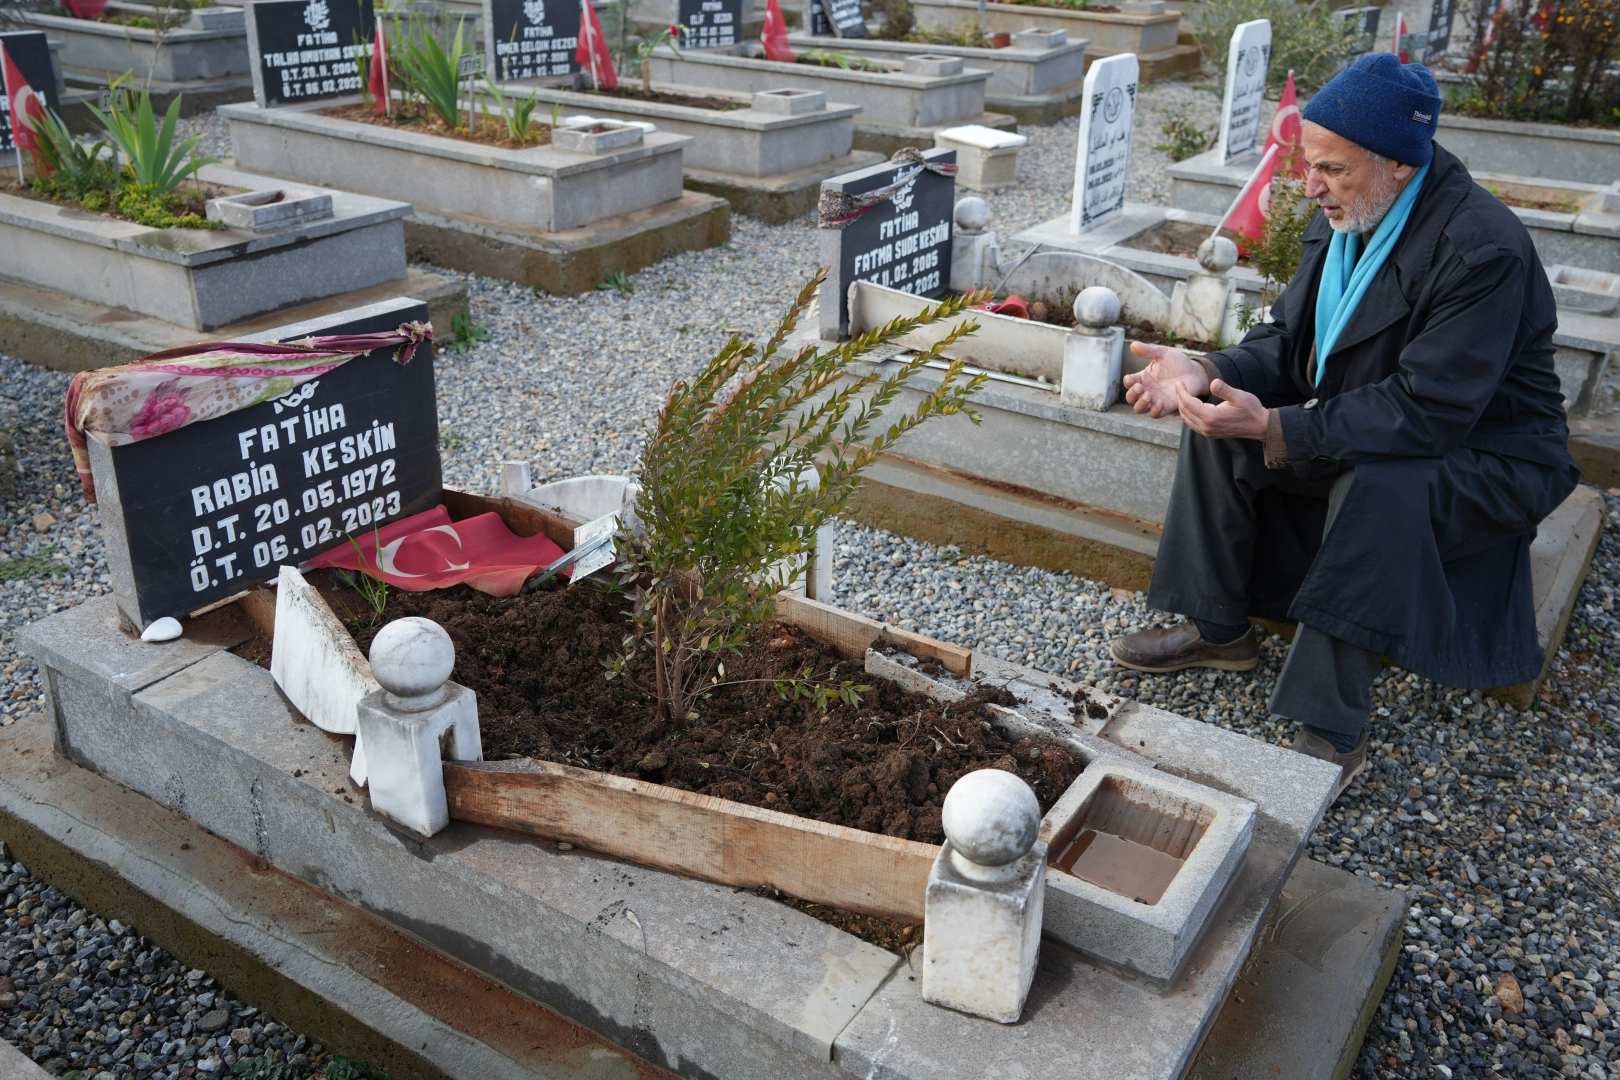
<point x="1381" y="105"/>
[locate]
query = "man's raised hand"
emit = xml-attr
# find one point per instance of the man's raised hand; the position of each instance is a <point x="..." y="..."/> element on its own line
<point x="1153" y="389"/>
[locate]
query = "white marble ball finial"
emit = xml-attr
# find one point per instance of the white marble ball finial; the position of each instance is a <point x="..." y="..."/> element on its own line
<point x="991" y="818"/>
<point x="411" y="658"/>
<point x="972" y="214"/>
<point x="1096" y="307"/>
<point x="1217" y="254"/>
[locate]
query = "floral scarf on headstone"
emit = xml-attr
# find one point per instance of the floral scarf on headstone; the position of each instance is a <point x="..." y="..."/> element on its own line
<point x="168" y="390"/>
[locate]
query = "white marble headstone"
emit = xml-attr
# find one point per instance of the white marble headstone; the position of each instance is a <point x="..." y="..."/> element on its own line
<point x="1245" y="89"/>
<point x="1103" y="160"/>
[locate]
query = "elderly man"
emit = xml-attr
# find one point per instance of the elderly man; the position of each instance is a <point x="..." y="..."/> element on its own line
<point x="1373" y="462"/>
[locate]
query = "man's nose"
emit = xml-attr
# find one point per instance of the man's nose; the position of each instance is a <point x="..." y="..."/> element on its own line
<point x="1314" y="188"/>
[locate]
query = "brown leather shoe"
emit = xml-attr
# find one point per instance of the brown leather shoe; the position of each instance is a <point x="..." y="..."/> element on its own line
<point x="1351" y="765"/>
<point x="1184" y="647"/>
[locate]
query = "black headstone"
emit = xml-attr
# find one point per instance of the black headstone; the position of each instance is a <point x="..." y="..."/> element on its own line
<point x="305" y="50"/>
<point x="903" y="242"/>
<point x="532" y="39"/>
<point x="213" y="507"/>
<point x="845" y="17"/>
<point x="32" y="56"/>
<point x="711" y="24"/>
<point x="1440" y="19"/>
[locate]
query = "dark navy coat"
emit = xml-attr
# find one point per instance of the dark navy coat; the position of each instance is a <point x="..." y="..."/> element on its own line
<point x="1441" y="394"/>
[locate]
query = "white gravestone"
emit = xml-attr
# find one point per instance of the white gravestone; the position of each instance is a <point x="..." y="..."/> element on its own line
<point x="1105" y="141"/>
<point x="1245" y="90"/>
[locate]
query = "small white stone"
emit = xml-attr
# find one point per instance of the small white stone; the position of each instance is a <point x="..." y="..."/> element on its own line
<point x="991" y="817"/>
<point x="972" y="213"/>
<point x="412" y="657"/>
<point x="1217" y="254"/>
<point x="164" y="629"/>
<point x="1097" y="307"/>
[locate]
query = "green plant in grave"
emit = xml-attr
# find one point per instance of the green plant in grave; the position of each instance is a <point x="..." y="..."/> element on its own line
<point x="745" y="462"/>
<point x="516" y="112"/>
<point x="617" y="281"/>
<point x="432" y="73"/>
<point x="466" y="331"/>
<point x="642" y="58"/>
<point x="153" y="159"/>
<point x="71" y="169"/>
<point x="1305" y="38"/>
<point x="1183" y="137"/>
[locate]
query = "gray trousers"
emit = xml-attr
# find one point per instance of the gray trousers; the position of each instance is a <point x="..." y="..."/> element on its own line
<point x="1205" y="567"/>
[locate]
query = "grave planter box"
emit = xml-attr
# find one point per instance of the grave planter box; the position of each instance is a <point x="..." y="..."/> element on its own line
<point x="210" y="47"/>
<point x="202" y="279"/>
<point x="767" y="159"/>
<point x="1038" y="79"/>
<point x="539" y="188"/>
<point x="543" y="216"/>
<point x="1518" y="148"/>
<point x="898" y="108"/>
<point x="1152" y="37"/>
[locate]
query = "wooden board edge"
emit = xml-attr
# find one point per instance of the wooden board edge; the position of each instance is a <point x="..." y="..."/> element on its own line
<point x="853" y="634"/>
<point x="522" y="518"/>
<point x="259" y="605"/>
<point x="905" y="863"/>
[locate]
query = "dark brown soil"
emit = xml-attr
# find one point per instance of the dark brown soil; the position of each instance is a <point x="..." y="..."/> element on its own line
<point x="691" y="101"/>
<point x="1147" y="334"/>
<point x="892" y="934"/>
<point x="491" y="130"/>
<point x="536" y="663"/>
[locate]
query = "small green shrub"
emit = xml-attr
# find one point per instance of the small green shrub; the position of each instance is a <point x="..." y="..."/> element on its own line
<point x="146" y="205"/>
<point x="342" y="1068"/>
<point x="43" y="563"/>
<point x="262" y="1068"/>
<point x="70" y="168"/>
<point x="1277" y="255"/>
<point x="431" y="72"/>
<point x="1305" y="38"/>
<point x="1552" y="61"/>
<point x="727" y="495"/>
<point x="466" y="332"/>
<point x="1183" y="138"/>
<point x="517" y="113"/>
<point x="896" y="19"/>
<point x="618" y="281"/>
<point x="151" y="155"/>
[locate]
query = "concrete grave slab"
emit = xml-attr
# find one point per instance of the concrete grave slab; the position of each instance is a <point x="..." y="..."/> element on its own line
<point x="202" y="279"/>
<point x="366" y="989"/>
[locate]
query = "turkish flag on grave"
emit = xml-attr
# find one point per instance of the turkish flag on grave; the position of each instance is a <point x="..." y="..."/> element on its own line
<point x="379" y="71"/>
<point x="1395" y="44"/>
<point x="429" y="551"/>
<point x="25" y="105"/>
<point x="85" y="9"/>
<point x="592" y="52"/>
<point x="1286" y="130"/>
<point x="775" y="36"/>
<point x="1247" y="217"/>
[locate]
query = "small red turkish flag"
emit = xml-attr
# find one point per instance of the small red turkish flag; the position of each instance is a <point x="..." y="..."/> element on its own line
<point x="1247" y="217"/>
<point x="775" y="36"/>
<point x="1400" y="32"/>
<point x="592" y="52"/>
<point x="379" y="71"/>
<point x="429" y="551"/>
<point x="25" y="106"/>
<point x="85" y="9"/>
<point x="1286" y="131"/>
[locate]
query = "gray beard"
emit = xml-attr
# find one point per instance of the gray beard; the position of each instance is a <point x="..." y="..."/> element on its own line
<point x="1368" y="213"/>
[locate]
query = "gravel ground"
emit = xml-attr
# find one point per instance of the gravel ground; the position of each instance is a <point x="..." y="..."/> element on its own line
<point x="1498" y="825"/>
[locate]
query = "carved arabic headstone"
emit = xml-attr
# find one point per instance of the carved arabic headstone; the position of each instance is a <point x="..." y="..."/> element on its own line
<point x="1245" y="90"/>
<point x="1104" y="155"/>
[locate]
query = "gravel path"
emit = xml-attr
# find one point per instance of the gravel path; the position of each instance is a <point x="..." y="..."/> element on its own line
<point x="1498" y="825"/>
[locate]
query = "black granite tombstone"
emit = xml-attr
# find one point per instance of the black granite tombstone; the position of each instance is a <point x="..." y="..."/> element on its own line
<point x="308" y="50"/>
<point x="200" y="513"/>
<point x="28" y="50"/>
<point x="532" y="39"/>
<point x="710" y="24"/>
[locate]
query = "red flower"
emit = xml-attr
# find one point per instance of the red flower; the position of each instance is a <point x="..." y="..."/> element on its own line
<point x="164" y="411"/>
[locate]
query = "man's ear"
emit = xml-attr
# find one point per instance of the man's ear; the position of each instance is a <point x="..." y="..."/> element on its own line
<point x="1403" y="173"/>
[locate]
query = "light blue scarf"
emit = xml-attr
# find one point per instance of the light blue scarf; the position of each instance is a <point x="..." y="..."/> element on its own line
<point x="1345" y="281"/>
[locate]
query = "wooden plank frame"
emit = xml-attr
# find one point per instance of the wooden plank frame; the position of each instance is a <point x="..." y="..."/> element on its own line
<point x="685" y="832"/>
